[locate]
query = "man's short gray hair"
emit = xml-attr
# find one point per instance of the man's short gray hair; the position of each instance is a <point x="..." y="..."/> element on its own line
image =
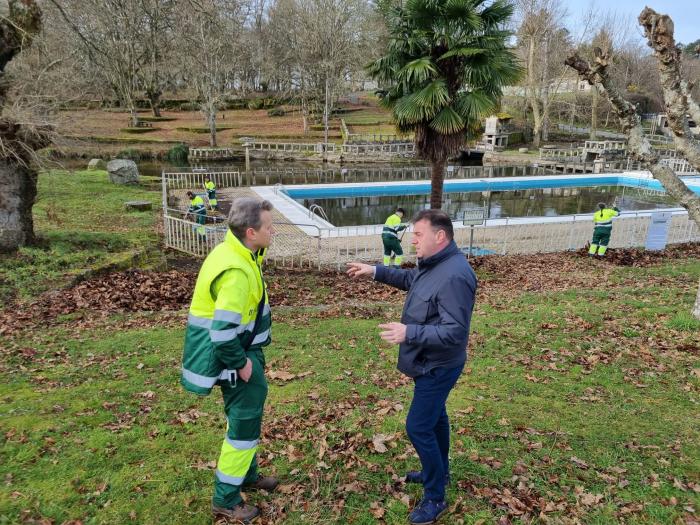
<point x="246" y="213"/>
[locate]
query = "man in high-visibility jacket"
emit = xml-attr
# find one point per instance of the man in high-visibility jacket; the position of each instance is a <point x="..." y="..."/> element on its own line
<point x="228" y="325"/>
<point x="198" y="212"/>
<point x="390" y="238"/>
<point x="211" y="192"/>
<point x="602" y="221"/>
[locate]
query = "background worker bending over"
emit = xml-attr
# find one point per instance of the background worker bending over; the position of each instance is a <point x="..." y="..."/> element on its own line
<point x="390" y="238"/>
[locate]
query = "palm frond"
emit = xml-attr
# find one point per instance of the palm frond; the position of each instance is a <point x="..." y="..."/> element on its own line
<point x="447" y="122"/>
<point x="417" y="72"/>
<point x="466" y="52"/>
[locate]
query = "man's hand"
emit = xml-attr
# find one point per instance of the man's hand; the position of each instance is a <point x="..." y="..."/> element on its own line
<point x="394" y="333"/>
<point x="357" y="269"/>
<point x="247" y="371"/>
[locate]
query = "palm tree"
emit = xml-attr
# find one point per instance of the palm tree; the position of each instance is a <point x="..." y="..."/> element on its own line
<point x="445" y="66"/>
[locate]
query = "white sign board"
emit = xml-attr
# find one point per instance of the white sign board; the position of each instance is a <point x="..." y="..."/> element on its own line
<point x="474" y="217"/>
<point x="658" y="230"/>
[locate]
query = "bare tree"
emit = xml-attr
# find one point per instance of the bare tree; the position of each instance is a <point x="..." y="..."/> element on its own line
<point x="208" y="44"/>
<point x="658" y="30"/>
<point x="319" y="44"/>
<point x="124" y="44"/>
<point x="542" y="40"/>
<point x="18" y="141"/>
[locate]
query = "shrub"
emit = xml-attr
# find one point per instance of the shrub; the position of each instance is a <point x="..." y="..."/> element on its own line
<point x="178" y="154"/>
<point x="189" y="106"/>
<point x="276" y="112"/>
<point x="256" y="103"/>
<point x="130" y="154"/>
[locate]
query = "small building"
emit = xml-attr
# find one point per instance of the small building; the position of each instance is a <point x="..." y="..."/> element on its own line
<point x="497" y="131"/>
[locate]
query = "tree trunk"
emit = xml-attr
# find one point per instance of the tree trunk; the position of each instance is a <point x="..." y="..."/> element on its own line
<point x="594" y="113"/>
<point x="212" y="128"/>
<point x="436" y="183"/>
<point x="134" y="117"/>
<point x="154" y="101"/>
<point x="696" y="308"/>
<point x="545" y="114"/>
<point x="532" y="95"/>
<point x="17" y="196"/>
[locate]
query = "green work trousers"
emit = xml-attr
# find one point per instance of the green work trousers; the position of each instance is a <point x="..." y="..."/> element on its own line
<point x="392" y="245"/>
<point x="243" y="405"/>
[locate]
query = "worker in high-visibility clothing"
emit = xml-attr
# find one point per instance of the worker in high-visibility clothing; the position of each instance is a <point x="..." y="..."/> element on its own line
<point x="602" y="228"/>
<point x="228" y="325"/>
<point x="210" y="187"/>
<point x="390" y="238"/>
<point x="198" y="212"/>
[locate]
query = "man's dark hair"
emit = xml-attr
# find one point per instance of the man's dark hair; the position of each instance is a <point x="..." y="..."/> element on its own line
<point x="438" y="220"/>
<point x="400" y="210"/>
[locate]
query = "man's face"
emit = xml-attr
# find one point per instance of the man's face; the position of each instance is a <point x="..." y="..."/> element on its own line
<point x="261" y="238"/>
<point x="426" y="240"/>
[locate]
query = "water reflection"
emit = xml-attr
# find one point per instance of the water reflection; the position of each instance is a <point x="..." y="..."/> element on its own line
<point x="548" y="202"/>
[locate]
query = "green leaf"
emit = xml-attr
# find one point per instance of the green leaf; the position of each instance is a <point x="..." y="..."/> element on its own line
<point x="417" y="71"/>
<point x="463" y="52"/>
<point x="447" y="122"/>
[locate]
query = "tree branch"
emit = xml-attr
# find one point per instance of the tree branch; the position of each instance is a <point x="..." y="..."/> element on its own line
<point x="658" y="30"/>
<point x="638" y="145"/>
<point x="693" y="107"/>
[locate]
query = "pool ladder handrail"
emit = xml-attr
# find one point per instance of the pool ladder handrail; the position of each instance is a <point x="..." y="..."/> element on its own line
<point x="318" y="209"/>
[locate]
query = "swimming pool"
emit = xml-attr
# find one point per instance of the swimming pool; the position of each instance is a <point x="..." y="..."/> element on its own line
<point x="630" y="180"/>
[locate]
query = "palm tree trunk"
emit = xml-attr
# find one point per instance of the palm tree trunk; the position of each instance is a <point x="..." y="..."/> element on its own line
<point x="436" y="182"/>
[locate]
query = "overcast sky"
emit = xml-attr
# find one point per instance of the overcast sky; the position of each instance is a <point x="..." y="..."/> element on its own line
<point x="685" y="13"/>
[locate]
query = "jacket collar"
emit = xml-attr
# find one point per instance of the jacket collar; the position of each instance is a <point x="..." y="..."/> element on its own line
<point x="232" y="241"/>
<point x="447" y="251"/>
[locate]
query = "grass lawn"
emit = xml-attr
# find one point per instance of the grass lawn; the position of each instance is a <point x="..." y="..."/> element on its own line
<point x="578" y="405"/>
<point x="82" y="224"/>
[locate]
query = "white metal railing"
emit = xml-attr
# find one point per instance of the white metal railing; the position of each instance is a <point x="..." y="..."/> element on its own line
<point x="212" y="153"/>
<point x="605" y="145"/>
<point x="295" y="147"/>
<point x="195" y="179"/>
<point x="398" y="148"/>
<point x="333" y="247"/>
<point x="680" y="166"/>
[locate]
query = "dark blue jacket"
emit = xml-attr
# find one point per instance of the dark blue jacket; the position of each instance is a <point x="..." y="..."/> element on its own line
<point x="437" y="311"/>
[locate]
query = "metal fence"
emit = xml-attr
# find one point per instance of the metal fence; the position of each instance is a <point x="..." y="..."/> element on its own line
<point x="334" y="247"/>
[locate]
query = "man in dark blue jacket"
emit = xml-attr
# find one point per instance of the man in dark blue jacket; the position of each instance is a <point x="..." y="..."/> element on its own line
<point x="432" y="338"/>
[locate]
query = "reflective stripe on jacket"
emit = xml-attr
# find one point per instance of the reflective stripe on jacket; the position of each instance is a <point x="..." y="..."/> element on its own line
<point x="393" y="226"/>
<point x="197" y="205"/>
<point x="222" y="315"/>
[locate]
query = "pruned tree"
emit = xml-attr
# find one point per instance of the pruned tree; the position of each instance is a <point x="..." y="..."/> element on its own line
<point x="658" y="30"/>
<point x="18" y="141"/>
